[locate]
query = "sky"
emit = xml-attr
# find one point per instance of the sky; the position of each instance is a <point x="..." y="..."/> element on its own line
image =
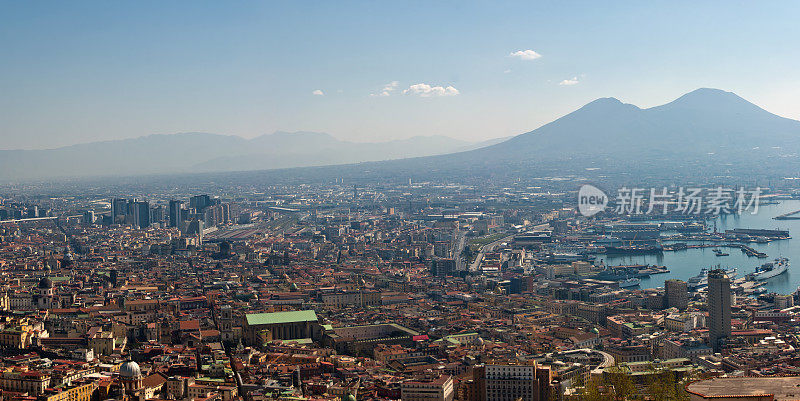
<point x="83" y="71"/>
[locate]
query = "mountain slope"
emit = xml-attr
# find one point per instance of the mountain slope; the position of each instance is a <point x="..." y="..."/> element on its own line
<point x="703" y="121"/>
<point x="201" y="152"/>
<point x="707" y="133"/>
<point x="312" y="149"/>
<point x="703" y="135"/>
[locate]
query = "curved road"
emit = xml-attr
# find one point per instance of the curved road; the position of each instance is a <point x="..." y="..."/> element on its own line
<point x="476" y="264"/>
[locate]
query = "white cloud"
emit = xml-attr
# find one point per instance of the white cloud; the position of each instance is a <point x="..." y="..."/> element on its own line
<point x="525" y="54"/>
<point x="318" y="92"/>
<point x="387" y="89"/>
<point x="425" y="90"/>
<point x="569" y="82"/>
<point x="507" y="71"/>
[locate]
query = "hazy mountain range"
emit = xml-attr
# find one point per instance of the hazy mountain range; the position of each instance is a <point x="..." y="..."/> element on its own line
<point x="203" y="152"/>
<point x="705" y="133"/>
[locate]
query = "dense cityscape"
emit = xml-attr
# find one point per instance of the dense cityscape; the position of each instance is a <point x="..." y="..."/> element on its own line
<point x="421" y="291"/>
<point x="399" y="200"/>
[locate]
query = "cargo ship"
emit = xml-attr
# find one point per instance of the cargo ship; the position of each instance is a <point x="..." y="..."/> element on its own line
<point x="629" y="282"/>
<point x="634" y="250"/>
<point x="691" y="228"/>
<point x="698" y="281"/>
<point x="757" y="232"/>
<point x="770" y="270"/>
<point x="619" y="273"/>
<point x="701" y="280"/>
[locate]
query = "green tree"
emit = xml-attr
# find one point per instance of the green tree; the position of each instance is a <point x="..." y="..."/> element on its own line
<point x="595" y="391"/>
<point x="623" y="385"/>
<point x="619" y="376"/>
<point x="664" y="386"/>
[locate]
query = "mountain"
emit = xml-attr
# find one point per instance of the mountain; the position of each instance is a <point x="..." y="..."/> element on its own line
<point x="700" y="122"/>
<point x="281" y="150"/>
<point x="704" y="133"/>
<point x="203" y="152"/>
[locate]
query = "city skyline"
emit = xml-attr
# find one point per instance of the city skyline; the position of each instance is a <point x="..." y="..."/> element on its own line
<point x="399" y="201"/>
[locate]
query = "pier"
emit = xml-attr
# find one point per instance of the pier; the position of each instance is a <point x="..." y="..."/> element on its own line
<point x="789" y="216"/>
<point x="749" y="251"/>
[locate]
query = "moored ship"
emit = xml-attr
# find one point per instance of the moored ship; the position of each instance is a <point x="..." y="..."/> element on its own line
<point x="634" y="250"/>
<point x="701" y="280"/>
<point x="630" y="282"/>
<point x="770" y="270"/>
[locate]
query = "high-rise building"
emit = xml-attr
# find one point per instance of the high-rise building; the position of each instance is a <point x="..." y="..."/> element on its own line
<point x="88" y="217"/>
<point x="195" y="228"/>
<point x="516" y="382"/>
<point x="443" y="267"/>
<point x="719" y="308"/>
<point x="199" y="202"/>
<point x="175" y="213"/>
<point x="157" y="214"/>
<point x="141" y="214"/>
<point x="226" y="213"/>
<point x="119" y="208"/>
<point x="676" y="294"/>
<point x="212" y="215"/>
<point x="131" y="213"/>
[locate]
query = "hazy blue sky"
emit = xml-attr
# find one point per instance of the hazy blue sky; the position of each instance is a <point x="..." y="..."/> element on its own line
<point x="78" y="71"/>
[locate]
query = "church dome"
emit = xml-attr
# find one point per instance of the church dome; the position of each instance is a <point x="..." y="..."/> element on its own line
<point x="45" y="283"/>
<point x="130" y="370"/>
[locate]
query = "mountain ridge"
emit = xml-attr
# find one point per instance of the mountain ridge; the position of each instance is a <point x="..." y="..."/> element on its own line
<point x="704" y="129"/>
<point x="186" y="152"/>
<point x="704" y="115"/>
<point x="707" y="133"/>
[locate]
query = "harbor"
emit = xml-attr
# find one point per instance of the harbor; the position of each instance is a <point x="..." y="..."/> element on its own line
<point x="747" y="250"/>
<point x="617" y="273"/>
<point x="685" y="254"/>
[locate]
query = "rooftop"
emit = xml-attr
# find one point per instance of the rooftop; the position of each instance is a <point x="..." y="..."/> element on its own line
<point x="783" y="388"/>
<point x="255" y="319"/>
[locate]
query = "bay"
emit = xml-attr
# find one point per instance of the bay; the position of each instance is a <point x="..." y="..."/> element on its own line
<point x="687" y="263"/>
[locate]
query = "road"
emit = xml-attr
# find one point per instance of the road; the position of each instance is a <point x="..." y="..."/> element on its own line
<point x="476" y="264"/>
<point x="40" y="219"/>
<point x="458" y="247"/>
<point x="608" y="360"/>
<point x="30" y="219"/>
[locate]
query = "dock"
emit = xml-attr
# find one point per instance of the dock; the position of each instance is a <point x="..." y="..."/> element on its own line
<point x="789" y="216"/>
<point x="749" y="251"/>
